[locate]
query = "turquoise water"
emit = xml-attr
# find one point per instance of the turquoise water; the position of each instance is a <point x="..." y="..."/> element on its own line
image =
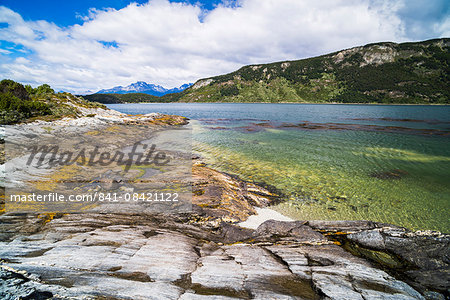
<point x="378" y="162"/>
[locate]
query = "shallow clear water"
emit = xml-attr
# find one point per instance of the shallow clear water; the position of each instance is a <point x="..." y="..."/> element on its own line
<point x="383" y="163"/>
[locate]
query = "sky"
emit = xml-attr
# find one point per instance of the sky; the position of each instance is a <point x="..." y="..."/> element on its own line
<point x="84" y="46"/>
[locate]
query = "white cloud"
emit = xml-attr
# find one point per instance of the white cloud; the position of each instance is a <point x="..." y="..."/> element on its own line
<point x="174" y="43"/>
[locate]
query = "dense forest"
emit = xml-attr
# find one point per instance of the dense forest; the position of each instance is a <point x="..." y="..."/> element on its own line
<point x="122" y="98"/>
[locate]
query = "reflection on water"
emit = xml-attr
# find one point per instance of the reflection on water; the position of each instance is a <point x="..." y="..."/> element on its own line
<point x="383" y="163"/>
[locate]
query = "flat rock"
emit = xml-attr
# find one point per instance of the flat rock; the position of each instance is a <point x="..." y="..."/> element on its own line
<point x="423" y="257"/>
<point x="203" y="254"/>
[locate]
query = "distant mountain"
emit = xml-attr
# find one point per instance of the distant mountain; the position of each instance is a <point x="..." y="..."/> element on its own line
<point x="417" y="72"/>
<point x="145" y="88"/>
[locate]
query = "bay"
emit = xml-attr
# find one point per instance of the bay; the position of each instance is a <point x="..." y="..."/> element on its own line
<point x="386" y="163"/>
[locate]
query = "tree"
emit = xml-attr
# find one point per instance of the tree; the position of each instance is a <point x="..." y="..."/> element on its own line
<point x="30" y="89"/>
<point x="15" y="88"/>
<point x="44" y="89"/>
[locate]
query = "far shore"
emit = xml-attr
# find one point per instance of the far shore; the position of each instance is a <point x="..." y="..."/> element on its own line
<point x="308" y="103"/>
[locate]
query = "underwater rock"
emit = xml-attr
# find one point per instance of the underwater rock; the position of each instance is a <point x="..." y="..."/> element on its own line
<point x="306" y="125"/>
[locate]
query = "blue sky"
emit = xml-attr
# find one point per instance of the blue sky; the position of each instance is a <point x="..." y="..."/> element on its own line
<point x="65" y="13"/>
<point x="83" y="46"/>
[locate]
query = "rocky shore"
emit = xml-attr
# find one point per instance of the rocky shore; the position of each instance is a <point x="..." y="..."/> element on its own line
<point x="205" y="254"/>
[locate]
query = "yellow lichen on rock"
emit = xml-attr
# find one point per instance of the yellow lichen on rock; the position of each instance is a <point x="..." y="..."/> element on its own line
<point x="51" y="182"/>
<point x="47" y="217"/>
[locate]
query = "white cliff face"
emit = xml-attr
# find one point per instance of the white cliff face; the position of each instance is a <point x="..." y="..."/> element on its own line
<point x="341" y="55"/>
<point x="285" y="65"/>
<point x="378" y="55"/>
<point x="373" y="55"/>
<point x="201" y="83"/>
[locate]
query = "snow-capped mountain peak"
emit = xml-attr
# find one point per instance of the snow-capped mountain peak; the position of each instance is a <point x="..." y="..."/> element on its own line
<point x="143" y="87"/>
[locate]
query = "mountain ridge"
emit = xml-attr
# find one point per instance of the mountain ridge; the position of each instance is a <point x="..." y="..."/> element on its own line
<point x="145" y="88"/>
<point x="386" y="72"/>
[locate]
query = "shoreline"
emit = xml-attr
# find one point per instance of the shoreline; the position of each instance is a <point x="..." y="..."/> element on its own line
<point x="307" y="103"/>
<point x="231" y="244"/>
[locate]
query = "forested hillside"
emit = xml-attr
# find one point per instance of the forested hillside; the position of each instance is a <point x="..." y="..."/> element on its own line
<point x="376" y="73"/>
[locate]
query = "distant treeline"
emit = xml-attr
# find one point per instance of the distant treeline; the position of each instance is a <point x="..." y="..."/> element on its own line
<point x="124" y="98"/>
